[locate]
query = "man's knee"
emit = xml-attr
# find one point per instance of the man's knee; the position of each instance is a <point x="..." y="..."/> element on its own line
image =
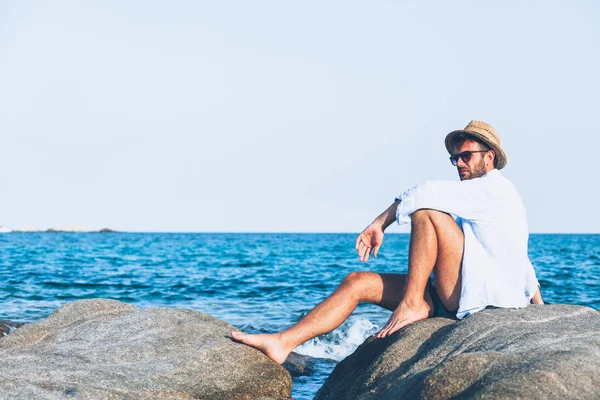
<point x="353" y="278"/>
<point x="358" y="282"/>
<point x="429" y="214"/>
<point x="442" y="222"/>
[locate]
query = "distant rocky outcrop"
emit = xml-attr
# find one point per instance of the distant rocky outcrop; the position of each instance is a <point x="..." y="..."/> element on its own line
<point x="53" y="230"/>
<point x="101" y="349"/>
<point x="79" y="230"/>
<point x="539" y="352"/>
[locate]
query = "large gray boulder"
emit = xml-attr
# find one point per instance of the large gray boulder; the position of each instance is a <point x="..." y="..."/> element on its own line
<point x="105" y="349"/>
<point x="539" y="352"/>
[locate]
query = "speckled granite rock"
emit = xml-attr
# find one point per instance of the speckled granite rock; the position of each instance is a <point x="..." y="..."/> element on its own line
<point x="541" y="352"/>
<point x="105" y="349"/>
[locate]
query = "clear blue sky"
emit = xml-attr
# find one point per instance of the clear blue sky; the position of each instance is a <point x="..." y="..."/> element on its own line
<point x="281" y="116"/>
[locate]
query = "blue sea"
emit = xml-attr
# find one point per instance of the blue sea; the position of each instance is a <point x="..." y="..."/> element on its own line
<point x="257" y="282"/>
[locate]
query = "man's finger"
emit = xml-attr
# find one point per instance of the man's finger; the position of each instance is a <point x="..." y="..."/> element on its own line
<point x="367" y="254"/>
<point x="376" y="250"/>
<point x="358" y="240"/>
<point x="361" y="249"/>
<point x="364" y="254"/>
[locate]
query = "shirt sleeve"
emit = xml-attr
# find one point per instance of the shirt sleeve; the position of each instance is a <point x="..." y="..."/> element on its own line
<point x="464" y="199"/>
<point x="531" y="282"/>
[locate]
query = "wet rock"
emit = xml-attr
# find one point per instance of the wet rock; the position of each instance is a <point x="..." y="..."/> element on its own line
<point x="7" y="327"/>
<point x="101" y="349"/>
<point x="299" y="364"/>
<point x="548" y="352"/>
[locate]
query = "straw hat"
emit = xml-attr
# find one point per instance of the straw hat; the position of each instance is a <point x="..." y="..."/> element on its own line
<point x="483" y="132"/>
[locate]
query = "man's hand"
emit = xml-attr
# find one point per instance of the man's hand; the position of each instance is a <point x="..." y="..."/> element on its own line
<point x="369" y="240"/>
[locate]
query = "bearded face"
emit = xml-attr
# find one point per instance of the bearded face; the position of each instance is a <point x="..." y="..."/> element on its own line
<point x="478" y="163"/>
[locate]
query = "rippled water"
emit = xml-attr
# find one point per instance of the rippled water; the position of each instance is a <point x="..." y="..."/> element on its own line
<point x="258" y="282"/>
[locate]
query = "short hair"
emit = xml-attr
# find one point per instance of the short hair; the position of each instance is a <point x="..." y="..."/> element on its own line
<point x="461" y="137"/>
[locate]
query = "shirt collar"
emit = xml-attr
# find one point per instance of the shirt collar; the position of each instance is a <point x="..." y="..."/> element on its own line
<point x="492" y="173"/>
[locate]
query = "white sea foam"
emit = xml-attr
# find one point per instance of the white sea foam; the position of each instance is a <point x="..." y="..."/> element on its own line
<point x="340" y="343"/>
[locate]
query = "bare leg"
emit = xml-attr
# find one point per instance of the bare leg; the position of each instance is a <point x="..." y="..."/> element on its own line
<point x="436" y="241"/>
<point x="385" y="290"/>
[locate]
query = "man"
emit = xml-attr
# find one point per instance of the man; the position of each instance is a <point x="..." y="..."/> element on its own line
<point x="472" y="234"/>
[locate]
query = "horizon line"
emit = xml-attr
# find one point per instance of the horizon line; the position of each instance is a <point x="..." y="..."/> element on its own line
<point x="265" y="232"/>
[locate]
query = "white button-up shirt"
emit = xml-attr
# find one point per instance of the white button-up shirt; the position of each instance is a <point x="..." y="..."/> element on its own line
<point x="496" y="270"/>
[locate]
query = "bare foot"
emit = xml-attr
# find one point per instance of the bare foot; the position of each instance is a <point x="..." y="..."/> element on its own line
<point x="402" y="316"/>
<point x="270" y="344"/>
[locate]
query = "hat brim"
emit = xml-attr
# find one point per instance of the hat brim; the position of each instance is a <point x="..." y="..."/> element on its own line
<point x="500" y="155"/>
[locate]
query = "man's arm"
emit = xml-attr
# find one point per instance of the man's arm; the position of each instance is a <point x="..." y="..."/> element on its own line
<point x="371" y="238"/>
<point x="386" y="218"/>
<point x="537" y="297"/>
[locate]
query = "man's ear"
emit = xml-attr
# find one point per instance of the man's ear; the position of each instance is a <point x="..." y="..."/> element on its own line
<point x="492" y="157"/>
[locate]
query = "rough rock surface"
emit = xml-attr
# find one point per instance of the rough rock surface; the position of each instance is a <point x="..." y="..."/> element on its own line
<point x="101" y="349"/>
<point x="547" y="352"/>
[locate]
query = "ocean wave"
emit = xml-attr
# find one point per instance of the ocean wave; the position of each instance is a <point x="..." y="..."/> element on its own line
<point x="341" y="342"/>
